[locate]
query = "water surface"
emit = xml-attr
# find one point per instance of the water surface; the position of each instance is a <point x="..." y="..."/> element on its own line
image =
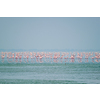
<point x="50" y="73"/>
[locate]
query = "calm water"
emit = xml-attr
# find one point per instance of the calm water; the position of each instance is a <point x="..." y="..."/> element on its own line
<point x="49" y="73"/>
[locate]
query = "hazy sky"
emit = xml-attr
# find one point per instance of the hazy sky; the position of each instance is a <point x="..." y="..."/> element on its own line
<point x="50" y="33"/>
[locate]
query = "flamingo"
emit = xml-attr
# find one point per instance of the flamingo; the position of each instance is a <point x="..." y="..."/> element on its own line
<point x="3" y="56"/>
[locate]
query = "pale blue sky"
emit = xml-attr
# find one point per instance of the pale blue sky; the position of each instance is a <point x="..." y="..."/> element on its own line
<point x="50" y="33"/>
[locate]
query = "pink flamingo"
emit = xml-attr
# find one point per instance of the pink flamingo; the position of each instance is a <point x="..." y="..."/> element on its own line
<point x="27" y="56"/>
<point x="13" y="56"/>
<point x="80" y="59"/>
<point x="3" y="56"/>
<point x="16" y="57"/>
<point x="80" y="56"/>
<point x="61" y="58"/>
<point x="86" y="57"/>
<point x="72" y="58"/>
<point x="55" y="59"/>
<point x="9" y="57"/>
<point x="32" y="57"/>
<point x="51" y="55"/>
<point x="37" y="56"/>
<point x="20" y="57"/>
<point x="97" y="57"/>
<point x="92" y="59"/>
<point x="66" y="57"/>
<point x="40" y="57"/>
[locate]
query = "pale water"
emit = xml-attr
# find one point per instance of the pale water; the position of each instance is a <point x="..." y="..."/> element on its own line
<point x="50" y="73"/>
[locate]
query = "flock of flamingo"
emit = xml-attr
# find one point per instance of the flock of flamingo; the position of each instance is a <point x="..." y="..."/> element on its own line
<point x="56" y="57"/>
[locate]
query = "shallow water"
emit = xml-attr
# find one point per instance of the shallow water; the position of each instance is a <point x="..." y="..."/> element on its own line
<point x="50" y="73"/>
